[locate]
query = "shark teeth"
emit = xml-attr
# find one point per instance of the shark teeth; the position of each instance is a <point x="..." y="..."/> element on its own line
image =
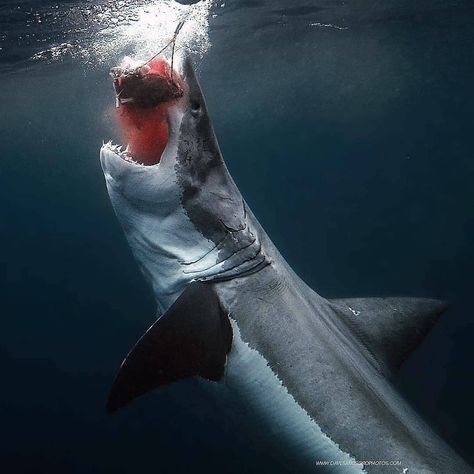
<point x="121" y="152"/>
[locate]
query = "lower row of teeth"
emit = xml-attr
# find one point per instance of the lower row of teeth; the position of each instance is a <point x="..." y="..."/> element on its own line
<point x="124" y="153"/>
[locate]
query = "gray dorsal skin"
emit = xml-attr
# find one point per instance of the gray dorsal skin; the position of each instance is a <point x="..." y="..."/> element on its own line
<point x="312" y="373"/>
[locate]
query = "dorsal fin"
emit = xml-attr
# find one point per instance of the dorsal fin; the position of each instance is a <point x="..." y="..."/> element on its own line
<point x="192" y="338"/>
<point x="390" y="328"/>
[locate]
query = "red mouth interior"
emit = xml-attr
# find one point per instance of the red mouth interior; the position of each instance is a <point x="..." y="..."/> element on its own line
<point x="146" y="129"/>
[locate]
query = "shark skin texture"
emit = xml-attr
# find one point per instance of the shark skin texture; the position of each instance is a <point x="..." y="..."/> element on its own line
<point x="314" y="372"/>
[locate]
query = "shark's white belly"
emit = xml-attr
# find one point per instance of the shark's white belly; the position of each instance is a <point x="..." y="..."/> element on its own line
<point x="298" y="440"/>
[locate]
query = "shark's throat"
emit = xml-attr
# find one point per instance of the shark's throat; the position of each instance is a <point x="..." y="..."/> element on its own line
<point x="170" y="265"/>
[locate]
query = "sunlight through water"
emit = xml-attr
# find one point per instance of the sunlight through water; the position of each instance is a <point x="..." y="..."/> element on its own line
<point x="138" y="29"/>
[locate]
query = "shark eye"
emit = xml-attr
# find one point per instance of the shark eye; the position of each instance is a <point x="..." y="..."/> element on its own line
<point x="195" y="107"/>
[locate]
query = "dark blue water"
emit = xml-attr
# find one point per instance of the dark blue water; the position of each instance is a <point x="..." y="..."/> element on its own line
<point x="347" y="126"/>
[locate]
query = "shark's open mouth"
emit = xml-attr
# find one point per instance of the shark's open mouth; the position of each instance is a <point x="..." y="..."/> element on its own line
<point x="144" y="94"/>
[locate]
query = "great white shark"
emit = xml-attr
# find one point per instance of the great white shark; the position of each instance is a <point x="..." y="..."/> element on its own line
<point x="231" y="309"/>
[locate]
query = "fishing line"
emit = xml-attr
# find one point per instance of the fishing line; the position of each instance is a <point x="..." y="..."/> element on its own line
<point x="171" y="41"/>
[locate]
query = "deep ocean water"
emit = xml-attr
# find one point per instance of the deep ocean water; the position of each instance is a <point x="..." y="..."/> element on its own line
<point x="348" y="128"/>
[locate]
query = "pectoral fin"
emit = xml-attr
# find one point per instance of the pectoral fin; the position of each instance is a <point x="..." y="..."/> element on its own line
<point x="192" y="338"/>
